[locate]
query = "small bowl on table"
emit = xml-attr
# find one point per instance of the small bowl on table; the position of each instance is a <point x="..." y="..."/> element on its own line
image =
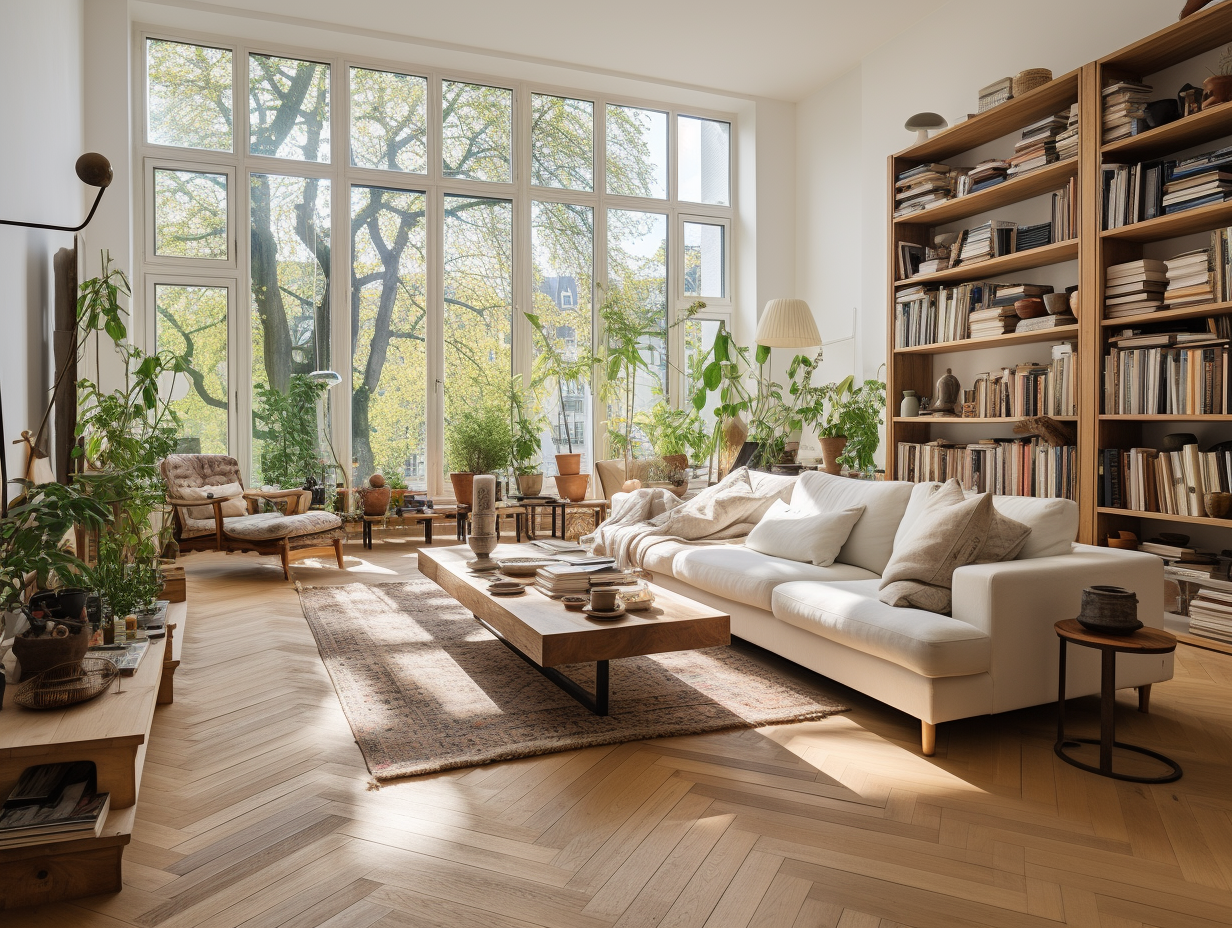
<point x="1029" y="308"/>
<point x="575" y="602"/>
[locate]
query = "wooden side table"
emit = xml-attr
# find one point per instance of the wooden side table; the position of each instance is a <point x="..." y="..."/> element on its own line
<point x="1144" y="641"/>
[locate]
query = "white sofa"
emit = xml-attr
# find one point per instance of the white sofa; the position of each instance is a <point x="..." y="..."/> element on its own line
<point x="997" y="652"/>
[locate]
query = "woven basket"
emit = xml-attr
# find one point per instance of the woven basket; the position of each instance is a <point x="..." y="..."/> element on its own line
<point x="38" y="654"/>
<point x="1030" y="79"/>
<point x="67" y="684"/>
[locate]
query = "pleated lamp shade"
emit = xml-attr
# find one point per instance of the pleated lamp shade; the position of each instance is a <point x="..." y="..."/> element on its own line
<point x="787" y="324"/>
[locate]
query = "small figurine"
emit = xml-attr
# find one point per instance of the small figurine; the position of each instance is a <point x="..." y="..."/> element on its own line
<point x="948" y="392"/>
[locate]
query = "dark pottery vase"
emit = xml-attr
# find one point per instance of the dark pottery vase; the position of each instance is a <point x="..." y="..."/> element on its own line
<point x="1109" y="610"/>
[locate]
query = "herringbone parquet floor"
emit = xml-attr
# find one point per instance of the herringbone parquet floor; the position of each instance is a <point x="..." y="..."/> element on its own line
<point x="255" y="809"/>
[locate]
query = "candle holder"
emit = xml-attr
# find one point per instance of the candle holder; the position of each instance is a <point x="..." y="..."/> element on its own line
<point x="483" y="537"/>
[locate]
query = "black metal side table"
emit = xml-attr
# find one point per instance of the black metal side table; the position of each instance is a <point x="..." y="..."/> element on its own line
<point x="1144" y="641"/>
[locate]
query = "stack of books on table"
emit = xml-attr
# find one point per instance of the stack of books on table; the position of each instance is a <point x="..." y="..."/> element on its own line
<point x="991" y="240"/>
<point x="984" y="175"/>
<point x="1067" y="141"/>
<point x="1124" y="109"/>
<point x="1135" y="287"/>
<point x="1210" y="614"/>
<point x="1034" y="236"/>
<point x="1038" y="145"/>
<point x="1190" y="279"/>
<point x="921" y="187"/>
<point x="53" y="802"/>
<point x="580" y="577"/>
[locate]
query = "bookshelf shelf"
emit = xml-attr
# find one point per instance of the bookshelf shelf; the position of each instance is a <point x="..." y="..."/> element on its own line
<point x="1201" y="127"/>
<point x="1018" y="261"/>
<point x="1059" y="334"/>
<point x="1001" y="120"/>
<point x="991" y="420"/>
<point x="1045" y="180"/>
<point x="1171" y="315"/>
<point x="1166" y="517"/>
<point x="1173" y="44"/>
<point x="1118" y="417"/>
<point x="1199" y="219"/>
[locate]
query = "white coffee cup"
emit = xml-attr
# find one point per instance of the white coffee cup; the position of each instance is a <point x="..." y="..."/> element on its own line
<point x="603" y="600"/>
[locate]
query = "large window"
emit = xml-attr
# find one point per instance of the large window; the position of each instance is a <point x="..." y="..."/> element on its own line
<point x="461" y="202"/>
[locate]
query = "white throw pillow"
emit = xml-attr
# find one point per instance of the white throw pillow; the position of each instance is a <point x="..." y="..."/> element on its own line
<point x="232" y="507"/>
<point x="812" y="537"/>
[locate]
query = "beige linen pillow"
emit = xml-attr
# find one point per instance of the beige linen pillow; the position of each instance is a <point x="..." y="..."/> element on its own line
<point x="812" y="537"/>
<point x="232" y="507"/>
<point x="951" y="532"/>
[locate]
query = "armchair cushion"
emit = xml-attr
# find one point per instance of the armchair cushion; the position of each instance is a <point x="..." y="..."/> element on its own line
<point x="272" y="526"/>
<point x="231" y="507"/>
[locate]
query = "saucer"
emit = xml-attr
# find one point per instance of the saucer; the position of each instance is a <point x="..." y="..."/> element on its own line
<point x="505" y="592"/>
<point x="607" y="613"/>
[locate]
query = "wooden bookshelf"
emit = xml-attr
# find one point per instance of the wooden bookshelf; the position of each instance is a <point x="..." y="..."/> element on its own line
<point x="1166" y="517"/>
<point x="1204" y="126"/>
<point x="1198" y="219"/>
<point x="1124" y="417"/>
<point x="996" y="267"/>
<point x="1170" y="315"/>
<point x="987" y="420"/>
<point x="1062" y="333"/>
<point x="1045" y="180"/>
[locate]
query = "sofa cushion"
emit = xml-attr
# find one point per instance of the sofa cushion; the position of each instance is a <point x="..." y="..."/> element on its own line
<point x="813" y="537"/>
<point x="871" y="542"/>
<point x="780" y="486"/>
<point x="738" y="573"/>
<point x="660" y="557"/>
<point x="849" y="613"/>
<point x="1053" y="522"/>
<point x="232" y="507"/>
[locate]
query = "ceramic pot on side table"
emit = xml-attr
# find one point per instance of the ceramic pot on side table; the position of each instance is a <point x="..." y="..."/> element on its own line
<point x="831" y="448"/>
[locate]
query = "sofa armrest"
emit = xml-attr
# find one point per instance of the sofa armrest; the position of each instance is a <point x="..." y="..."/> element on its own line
<point x="1016" y="603"/>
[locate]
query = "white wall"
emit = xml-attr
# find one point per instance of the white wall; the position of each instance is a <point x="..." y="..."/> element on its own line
<point x="845" y="131"/>
<point x="41" y="112"/>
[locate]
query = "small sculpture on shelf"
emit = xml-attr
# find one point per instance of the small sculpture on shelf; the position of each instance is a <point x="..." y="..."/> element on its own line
<point x="948" y="392"/>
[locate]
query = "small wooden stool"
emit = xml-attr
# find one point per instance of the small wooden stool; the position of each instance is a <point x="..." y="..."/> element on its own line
<point x="1144" y="641"/>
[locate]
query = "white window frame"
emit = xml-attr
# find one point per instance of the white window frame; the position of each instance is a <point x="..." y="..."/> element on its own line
<point x="149" y="238"/>
<point x="241" y="164"/>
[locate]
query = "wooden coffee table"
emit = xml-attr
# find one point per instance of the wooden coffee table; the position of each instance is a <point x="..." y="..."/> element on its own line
<point x="545" y="634"/>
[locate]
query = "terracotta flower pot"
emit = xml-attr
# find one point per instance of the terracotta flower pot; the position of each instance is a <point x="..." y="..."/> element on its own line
<point x="568" y="464"/>
<point x="530" y="484"/>
<point x="463" y="487"/>
<point x="573" y="486"/>
<point x="1218" y="89"/>
<point x="376" y="500"/>
<point x="831" y="448"/>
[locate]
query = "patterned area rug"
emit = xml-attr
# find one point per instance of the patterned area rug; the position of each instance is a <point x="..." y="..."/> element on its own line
<point x="426" y="688"/>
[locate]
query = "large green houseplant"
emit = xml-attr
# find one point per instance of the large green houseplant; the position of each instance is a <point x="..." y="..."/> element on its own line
<point x="526" y="446"/>
<point x="849" y="425"/>
<point x="476" y="442"/>
<point x="291" y="452"/>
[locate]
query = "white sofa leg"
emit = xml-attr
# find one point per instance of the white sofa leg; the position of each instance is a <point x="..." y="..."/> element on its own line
<point x="928" y="738"/>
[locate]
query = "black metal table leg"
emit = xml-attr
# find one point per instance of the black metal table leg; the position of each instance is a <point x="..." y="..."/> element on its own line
<point x="366" y="534"/>
<point x="428" y="530"/>
<point x="596" y="703"/>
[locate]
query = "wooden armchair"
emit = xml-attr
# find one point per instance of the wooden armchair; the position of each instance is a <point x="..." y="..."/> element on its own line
<point x="213" y="512"/>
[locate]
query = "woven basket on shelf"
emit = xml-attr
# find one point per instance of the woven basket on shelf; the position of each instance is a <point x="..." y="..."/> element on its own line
<point x="1030" y="79"/>
<point x="38" y="654"/>
<point x="67" y="684"/>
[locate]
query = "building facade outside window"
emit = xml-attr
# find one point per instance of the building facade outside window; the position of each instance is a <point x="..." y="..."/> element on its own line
<point x="307" y="212"/>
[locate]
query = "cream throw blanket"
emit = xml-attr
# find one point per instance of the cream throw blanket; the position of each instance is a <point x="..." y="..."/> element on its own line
<point x="647" y="517"/>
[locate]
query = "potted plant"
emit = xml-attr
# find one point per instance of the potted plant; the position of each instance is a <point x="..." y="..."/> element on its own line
<point x="849" y="424"/>
<point x="525" y="450"/>
<point x="376" y="496"/>
<point x="477" y="442"/>
<point x="627" y="339"/>
<point x="553" y="369"/>
<point x="290" y="452"/>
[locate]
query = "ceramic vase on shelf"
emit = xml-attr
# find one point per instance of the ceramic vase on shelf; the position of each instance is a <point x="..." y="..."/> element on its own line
<point x="909" y="408"/>
<point x="483" y="537"/>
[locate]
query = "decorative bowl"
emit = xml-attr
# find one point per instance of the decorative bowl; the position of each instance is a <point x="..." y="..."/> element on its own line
<point x="1218" y="505"/>
<point x="1030" y="308"/>
<point x="575" y="602"/>
<point x="1056" y="303"/>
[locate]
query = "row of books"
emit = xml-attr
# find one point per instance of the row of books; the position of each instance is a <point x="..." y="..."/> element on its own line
<point x="53" y="802"/>
<point x="1029" y="389"/>
<point x="1169" y="482"/>
<point x="1065" y="212"/>
<point x="1124" y="109"/>
<point x="1137" y="192"/>
<point x="980" y="309"/>
<point x="1190" y="378"/>
<point x="1006" y="467"/>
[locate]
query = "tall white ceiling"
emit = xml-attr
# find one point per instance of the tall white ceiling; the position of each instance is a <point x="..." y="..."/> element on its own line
<point x="782" y="49"/>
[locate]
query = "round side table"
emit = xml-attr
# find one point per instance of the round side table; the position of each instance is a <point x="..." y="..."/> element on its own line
<point x="1144" y="641"/>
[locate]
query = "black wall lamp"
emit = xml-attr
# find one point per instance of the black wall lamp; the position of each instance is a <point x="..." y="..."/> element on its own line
<point x="93" y="169"/>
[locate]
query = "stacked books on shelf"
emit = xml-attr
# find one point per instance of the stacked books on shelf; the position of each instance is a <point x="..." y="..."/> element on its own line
<point x="1136" y="192"/>
<point x="579" y="576"/>
<point x="1067" y="141"/>
<point x="1124" y="109"/>
<point x="1028" y="389"/>
<point x="996" y="93"/>
<point x="1190" y="279"/>
<point x="999" y="317"/>
<point x="979" y="309"/>
<point x="1169" y="482"/>
<point x="1210" y="614"/>
<point x="1134" y="287"/>
<point x="1038" y="146"/>
<point x="53" y="802"/>
<point x="1034" y="236"/>
<point x="984" y="175"/>
<point x="986" y="241"/>
<point x="921" y="187"/>
<point x="1065" y="212"/>
<point x="1006" y="467"/>
<point x="1176" y="373"/>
